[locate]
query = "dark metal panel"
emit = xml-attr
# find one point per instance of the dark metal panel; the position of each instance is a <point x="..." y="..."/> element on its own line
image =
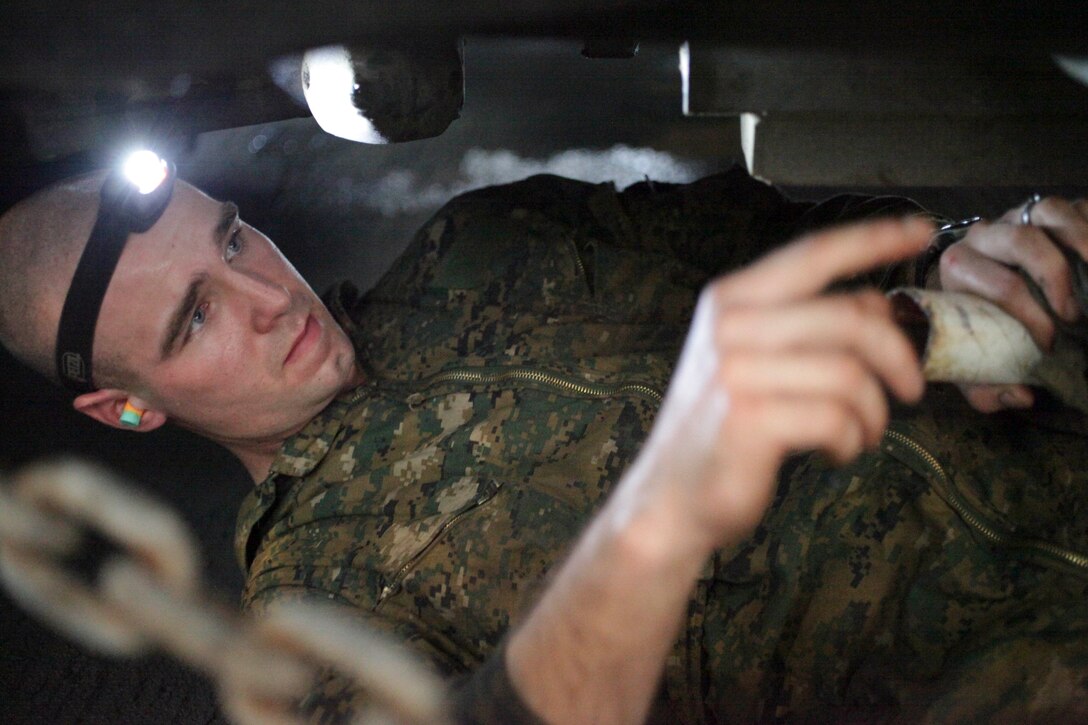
<point x="129" y="45"/>
<point x="844" y="151"/>
<point x="730" y="80"/>
<point x="125" y="45"/>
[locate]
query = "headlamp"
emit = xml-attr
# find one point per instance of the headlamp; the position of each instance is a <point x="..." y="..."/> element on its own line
<point x="133" y="197"/>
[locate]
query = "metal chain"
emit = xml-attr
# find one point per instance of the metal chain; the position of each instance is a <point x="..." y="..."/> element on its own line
<point x="150" y="597"/>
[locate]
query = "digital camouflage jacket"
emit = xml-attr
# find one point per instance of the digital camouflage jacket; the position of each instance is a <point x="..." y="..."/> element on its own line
<point x="516" y="355"/>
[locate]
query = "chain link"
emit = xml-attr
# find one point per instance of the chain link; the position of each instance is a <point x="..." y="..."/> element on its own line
<point x="149" y="596"/>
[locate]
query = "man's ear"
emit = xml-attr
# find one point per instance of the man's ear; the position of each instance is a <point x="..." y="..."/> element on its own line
<point x="107" y="405"/>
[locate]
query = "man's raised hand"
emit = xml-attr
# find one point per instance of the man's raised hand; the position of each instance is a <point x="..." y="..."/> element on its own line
<point x="773" y="365"/>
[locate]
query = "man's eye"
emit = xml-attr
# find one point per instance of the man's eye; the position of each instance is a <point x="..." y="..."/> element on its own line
<point x="200" y="315"/>
<point x="234" y="245"/>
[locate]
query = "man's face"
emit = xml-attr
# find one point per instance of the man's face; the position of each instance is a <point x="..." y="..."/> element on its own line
<point x="224" y="335"/>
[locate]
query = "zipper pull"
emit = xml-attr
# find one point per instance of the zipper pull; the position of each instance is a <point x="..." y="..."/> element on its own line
<point x="414" y="401"/>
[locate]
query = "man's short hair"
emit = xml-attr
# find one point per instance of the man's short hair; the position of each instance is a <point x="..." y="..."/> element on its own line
<point x="41" y="240"/>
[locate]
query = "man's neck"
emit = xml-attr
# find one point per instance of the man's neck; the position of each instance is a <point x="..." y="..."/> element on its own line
<point x="257" y="461"/>
<point x="257" y="456"/>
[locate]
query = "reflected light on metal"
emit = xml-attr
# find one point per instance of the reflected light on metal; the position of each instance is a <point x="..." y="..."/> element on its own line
<point x="328" y="82"/>
<point x="685" y="75"/>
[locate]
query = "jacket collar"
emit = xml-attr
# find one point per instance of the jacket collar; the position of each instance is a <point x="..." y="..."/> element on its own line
<point x="299" y="456"/>
<point x="304" y="451"/>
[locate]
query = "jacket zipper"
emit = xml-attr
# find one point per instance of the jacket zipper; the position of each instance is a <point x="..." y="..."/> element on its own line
<point x="540" y="377"/>
<point x="395" y="581"/>
<point x="578" y="263"/>
<point x="977" y="523"/>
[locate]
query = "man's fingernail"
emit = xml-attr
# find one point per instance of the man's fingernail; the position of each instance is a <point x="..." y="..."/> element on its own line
<point x="918" y="225"/>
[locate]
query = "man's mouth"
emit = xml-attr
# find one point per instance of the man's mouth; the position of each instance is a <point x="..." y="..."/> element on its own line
<point x="307" y="338"/>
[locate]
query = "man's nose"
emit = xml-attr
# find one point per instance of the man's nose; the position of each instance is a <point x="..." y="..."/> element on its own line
<point x="268" y="299"/>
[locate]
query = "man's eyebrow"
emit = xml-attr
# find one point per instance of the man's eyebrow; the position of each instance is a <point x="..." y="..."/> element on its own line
<point x="228" y="215"/>
<point x="181" y="315"/>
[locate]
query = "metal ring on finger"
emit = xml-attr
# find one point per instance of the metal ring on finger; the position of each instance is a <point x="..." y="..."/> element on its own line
<point x="1025" y="215"/>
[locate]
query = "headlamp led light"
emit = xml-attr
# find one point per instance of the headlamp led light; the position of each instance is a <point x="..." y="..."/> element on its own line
<point x="133" y="198"/>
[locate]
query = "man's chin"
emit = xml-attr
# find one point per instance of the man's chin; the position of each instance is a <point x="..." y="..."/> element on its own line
<point x="324" y="394"/>
<point x="347" y="370"/>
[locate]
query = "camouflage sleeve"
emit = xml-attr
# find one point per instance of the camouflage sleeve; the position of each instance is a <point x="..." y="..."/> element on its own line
<point x="523" y="234"/>
<point x="475" y="236"/>
<point x="725" y="221"/>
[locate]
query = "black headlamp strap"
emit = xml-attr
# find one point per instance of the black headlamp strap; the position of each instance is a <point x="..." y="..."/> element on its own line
<point x="122" y="210"/>
<point x="78" y="319"/>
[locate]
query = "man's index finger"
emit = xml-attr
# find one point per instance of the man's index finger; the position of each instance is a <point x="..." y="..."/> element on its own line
<point x="808" y="265"/>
